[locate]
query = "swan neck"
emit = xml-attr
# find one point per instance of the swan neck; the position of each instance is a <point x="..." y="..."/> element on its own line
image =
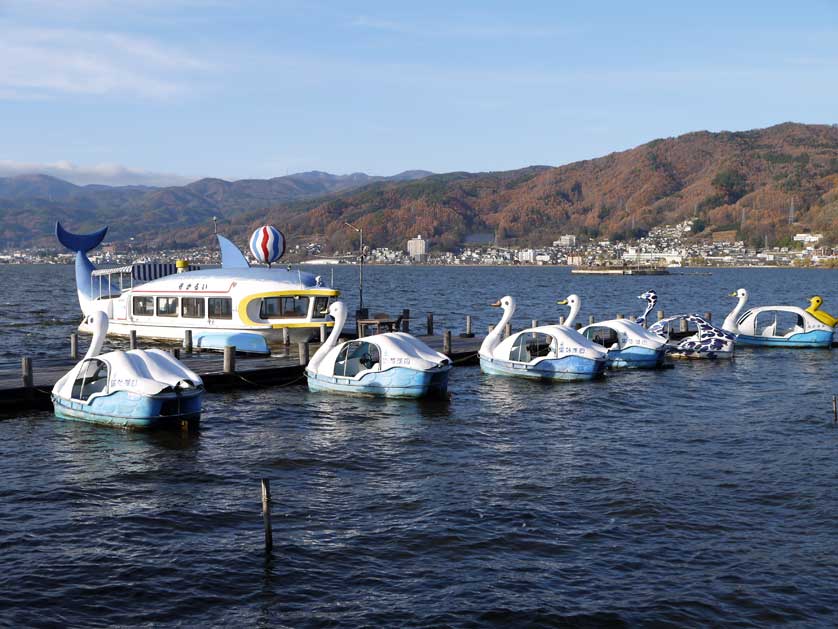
<point x="331" y="341"/>
<point x="730" y="321"/>
<point x="493" y="338"/>
<point x="574" y="311"/>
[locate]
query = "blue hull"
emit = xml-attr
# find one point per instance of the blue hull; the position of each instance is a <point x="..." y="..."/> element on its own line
<point x="815" y="338"/>
<point x="395" y="382"/>
<point x="128" y="410"/>
<point x="635" y="358"/>
<point x="568" y="368"/>
<point x="244" y="342"/>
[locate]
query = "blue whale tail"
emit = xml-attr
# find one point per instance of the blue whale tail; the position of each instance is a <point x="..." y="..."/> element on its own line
<point x="79" y="242"/>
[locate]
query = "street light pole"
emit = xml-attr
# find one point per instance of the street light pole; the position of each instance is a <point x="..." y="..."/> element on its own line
<point x="360" y="231"/>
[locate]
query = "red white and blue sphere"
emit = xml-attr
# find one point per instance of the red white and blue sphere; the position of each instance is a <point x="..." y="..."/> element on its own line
<point x="267" y="244"/>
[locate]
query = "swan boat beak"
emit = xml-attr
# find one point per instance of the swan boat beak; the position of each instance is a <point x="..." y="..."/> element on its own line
<point x="562" y="302"/>
<point x="733" y="294"/>
<point x="496" y="304"/>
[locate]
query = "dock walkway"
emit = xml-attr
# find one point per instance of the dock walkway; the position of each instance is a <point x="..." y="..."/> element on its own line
<point x="283" y="368"/>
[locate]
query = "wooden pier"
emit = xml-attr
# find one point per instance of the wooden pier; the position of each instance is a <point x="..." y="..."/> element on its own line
<point x="27" y="385"/>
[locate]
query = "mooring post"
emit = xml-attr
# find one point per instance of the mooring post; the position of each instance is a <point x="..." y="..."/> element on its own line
<point x="534" y="323"/>
<point x="660" y="315"/>
<point x="619" y="316"/>
<point x="405" y="320"/>
<point x="74" y="346"/>
<point x="446" y="342"/>
<point x="708" y="316"/>
<point x="266" y="514"/>
<point x="835" y="409"/>
<point x="468" y="333"/>
<point x="507" y="330"/>
<point x="26" y="371"/>
<point x="561" y="319"/>
<point x="489" y="328"/>
<point x="430" y="324"/>
<point x="303" y="349"/>
<point x="322" y="333"/>
<point x="682" y="325"/>
<point x="591" y="319"/>
<point x="132" y="339"/>
<point x="187" y="341"/>
<point x="578" y="325"/>
<point x="229" y="358"/>
<point x="176" y="353"/>
<point x="286" y="337"/>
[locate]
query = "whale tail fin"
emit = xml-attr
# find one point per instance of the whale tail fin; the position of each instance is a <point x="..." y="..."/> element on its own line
<point x="79" y="242"/>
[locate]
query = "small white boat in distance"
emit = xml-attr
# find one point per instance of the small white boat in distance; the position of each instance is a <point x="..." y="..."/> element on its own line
<point x="776" y="326"/>
<point x="136" y="389"/>
<point x="546" y="352"/>
<point x="394" y="364"/>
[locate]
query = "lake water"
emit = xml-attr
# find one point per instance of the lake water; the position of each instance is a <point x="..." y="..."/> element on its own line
<point x="700" y="495"/>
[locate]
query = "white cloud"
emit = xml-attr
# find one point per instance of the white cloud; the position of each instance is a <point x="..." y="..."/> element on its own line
<point x="39" y="63"/>
<point x="107" y="174"/>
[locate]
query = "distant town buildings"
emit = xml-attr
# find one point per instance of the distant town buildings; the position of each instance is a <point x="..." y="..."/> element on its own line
<point x="808" y="239"/>
<point x="567" y="241"/>
<point x="417" y="248"/>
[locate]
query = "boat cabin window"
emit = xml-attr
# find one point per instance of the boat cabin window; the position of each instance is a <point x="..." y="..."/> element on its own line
<point x="356" y="357"/>
<point x="602" y="336"/>
<point x="778" y="323"/>
<point x="320" y="304"/>
<point x="529" y="346"/>
<point x="92" y="378"/>
<point x="220" y="307"/>
<point x="192" y="307"/>
<point x="295" y="307"/>
<point x="143" y="306"/>
<point x="167" y="306"/>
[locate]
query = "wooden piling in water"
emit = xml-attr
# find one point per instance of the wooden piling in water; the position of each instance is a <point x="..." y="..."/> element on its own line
<point x="708" y="316"/>
<point x="303" y="350"/>
<point x="578" y="325"/>
<point x="405" y="320"/>
<point x="26" y="371"/>
<point x="430" y="324"/>
<point x="322" y="333"/>
<point x="660" y="315"/>
<point x="286" y="337"/>
<point x="591" y="319"/>
<point x="266" y="515"/>
<point x="489" y="328"/>
<point x="561" y="320"/>
<point x="534" y="323"/>
<point x="619" y="316"/>
<point x="446" y="342"/>
<point x="187" y="340"/>
<point x="468" y="334"/>
<point x="507" y="330"/>
<point x="682" y="325"/>
<point x="176" y="353"/>
<point x="835" y="409"/>
<point x="132" y="339"/>
<point x="74" y="346"/>
<point x="229" y="359"/>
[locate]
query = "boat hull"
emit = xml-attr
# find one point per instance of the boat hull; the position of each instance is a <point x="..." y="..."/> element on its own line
<point x="635" y="358"/>
<point x="176" y="332"/>
<point x="813" y="338"/>
<point x="694" y="354"/>
<point x="398" y="382"/>
<point x="569" y="368"/>
<point x="130" y="410"/>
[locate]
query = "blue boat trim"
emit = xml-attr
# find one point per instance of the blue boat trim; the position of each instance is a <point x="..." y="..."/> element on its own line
<point x="813" y="338"/>
<point x="393" y="382"/>
<point x="636" y="357"/>
<point x="244" y="342"/>
<point x="567" y="368"/>
<point x="129" y="410"/>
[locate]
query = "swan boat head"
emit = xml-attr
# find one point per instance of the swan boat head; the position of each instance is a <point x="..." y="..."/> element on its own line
<point x="824" y="317"/>
<point x="731" y="321"/>
<point x="575" y="304"/>
<point x="651" y="298"/>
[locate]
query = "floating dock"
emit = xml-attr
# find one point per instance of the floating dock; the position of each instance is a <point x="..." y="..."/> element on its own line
<point x="604" y="270"/>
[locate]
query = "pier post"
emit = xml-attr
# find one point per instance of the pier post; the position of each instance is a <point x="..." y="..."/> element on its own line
<point x="446" y="343"/>
<point x="322" y="333"/>
<point x="187" y="340"/>
<point x="132" y="339"/>
<point x="561" y="320"/>
<point x="74" y="346"/>
<point x="507" y="330"/>
<point x="708" y="316"/>
<point x="619" y="316"/>
<point x="591" y="319"/>
<point x="430" y="324"/>
<point x="286" y="337"/>
<point x="26" y="371"/>
<point x="534" y="323"/>
<point x="489" y="328"/>
<point x="405" y="320"/>
<point x="469" y="334"/>
<point x="578" y="325"/>
<point x="229" y="359"/>
<point x="266" y="514"/>
<point x="682" y="325"/>
<point x="176" y="353"/>
<point x="835" y="409"/>
<point x="660" y="315"/>
<point x="303" y="349"/>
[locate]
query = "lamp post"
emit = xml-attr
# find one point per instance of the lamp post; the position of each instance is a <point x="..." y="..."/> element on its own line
<point x="360" y="267"/>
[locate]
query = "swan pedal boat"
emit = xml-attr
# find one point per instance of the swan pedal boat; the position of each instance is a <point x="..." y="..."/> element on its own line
<point x="394" y="364"/>
<point x="759" y="327"/>
<point x="627" y="345"/>
<point x="547" y="352"/>
<point x="136" y="389"/>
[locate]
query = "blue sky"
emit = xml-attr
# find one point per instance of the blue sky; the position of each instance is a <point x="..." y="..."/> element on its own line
<point x="160" y="91"/>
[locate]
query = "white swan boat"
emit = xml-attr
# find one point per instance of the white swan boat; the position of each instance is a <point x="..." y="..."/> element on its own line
<point x="164" y="300"/>
<point x="547" y="352"/>
<point x="626" y="344"/>
<point x="776" y="326"/>
<point x="136" y="389"/>
<point x="394" y="364"/>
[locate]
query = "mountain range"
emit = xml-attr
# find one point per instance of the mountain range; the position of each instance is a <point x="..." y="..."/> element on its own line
<point x="763" y="183"/>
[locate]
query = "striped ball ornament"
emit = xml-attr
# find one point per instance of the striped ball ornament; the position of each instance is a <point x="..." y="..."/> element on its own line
<point x="267" y="244"/>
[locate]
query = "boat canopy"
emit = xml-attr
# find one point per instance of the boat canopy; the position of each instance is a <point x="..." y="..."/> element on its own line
<point x="144" y="271"/>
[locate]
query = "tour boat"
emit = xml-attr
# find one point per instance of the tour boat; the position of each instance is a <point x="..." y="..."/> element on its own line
<point x="545" y="352"/>
<point x="165" y="300"/>
<point x="626" y="344"/>
<point x="707" y="341"/>
<point x="776" y="326"/>
<point x="136" y="389"/>
<point x="394" y="364"/>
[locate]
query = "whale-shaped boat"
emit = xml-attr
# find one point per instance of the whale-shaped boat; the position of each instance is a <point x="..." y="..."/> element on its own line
<point x="775" y="326"/>
<point x="164" y="300"/>
<point x="627" y="345"/>
<point x="394" y="364"/>
<point x="136" y="389"/>
<point x="545" y="352"/>
<point x="707" y="341"/>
